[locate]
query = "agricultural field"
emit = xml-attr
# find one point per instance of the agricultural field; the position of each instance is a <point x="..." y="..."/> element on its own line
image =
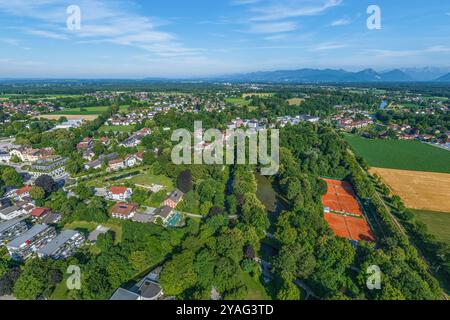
<point x="295" y="101"/>
<point x="418" y="190"/>
<point x="400" y="154"/>
<point x="438" y="223"/>
<point x="261" y="95"/>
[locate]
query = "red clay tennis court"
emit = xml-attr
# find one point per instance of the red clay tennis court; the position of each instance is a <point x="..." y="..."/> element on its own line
<point x="345" y="216"/>
<point x="341" y="198"/>
<point x="351" y="228"/>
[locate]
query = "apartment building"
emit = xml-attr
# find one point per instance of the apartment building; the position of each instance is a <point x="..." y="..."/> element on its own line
<point x="28" y="243"/>
<point x="63" y="246"/>
<point x="12" y="229"/>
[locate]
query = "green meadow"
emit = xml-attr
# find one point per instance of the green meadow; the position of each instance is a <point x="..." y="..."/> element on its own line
<point x="400" y="154"/>
<point x="438" y="223"/>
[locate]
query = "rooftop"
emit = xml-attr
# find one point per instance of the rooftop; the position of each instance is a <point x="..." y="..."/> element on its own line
<point x="23" y="190"/>
<point x="163" y="212"/>
<point x="118" y="190"/>
<point x="16" y="243"/>
<point x="123" y="209"/>
<point x="39" y="212"/>
<point x="176" y="195"/>
<point x="58" y="242"/>
<point x="8" y="224"/>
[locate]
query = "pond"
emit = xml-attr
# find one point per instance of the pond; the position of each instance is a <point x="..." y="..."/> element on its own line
<point x="273" y="202"/>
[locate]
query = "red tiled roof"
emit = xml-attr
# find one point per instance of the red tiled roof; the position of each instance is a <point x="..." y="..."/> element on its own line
<point x="118" y="190"/>
<point x="39" y="212"/>
<point x="123" y="209"/>
<point x="23" y="190"/>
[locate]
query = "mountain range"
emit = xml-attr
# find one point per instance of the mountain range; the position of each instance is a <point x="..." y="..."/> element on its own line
<point x="340" y="75"/>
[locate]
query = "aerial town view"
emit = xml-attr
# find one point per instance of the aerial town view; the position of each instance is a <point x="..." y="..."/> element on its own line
<point x="243" y="150"/>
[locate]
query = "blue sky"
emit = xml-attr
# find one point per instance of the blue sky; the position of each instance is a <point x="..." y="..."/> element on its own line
<point x="179" y="38"/>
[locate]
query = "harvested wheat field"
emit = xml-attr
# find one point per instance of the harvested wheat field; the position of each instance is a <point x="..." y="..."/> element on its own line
<point x="418" y="190"/>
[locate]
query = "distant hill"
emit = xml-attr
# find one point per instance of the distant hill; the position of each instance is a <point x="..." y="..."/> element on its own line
<point x="396" y="75"/>
<point x="445" y="78"/>
<point x="426" y="73"/>
<point x="318" y="75"/>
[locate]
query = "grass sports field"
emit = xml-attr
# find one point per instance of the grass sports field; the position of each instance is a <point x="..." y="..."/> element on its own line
<point x="418" y="190"/>
<point x="438" y="223"/>
<point x="400" y="154"/>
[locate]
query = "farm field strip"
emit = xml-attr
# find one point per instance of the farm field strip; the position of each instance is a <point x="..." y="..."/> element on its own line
<point x="418" y="190"/>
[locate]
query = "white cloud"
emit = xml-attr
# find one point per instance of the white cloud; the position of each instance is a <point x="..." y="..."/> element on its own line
<point x="10" y="41"/>
<point x="285" y="10"/>
<point x="329" y="46"/>
<point x="269" y="28"/>
<point x="340" y="22"/>
<point x="46" y="34"/>
<point x="101" y="21"/>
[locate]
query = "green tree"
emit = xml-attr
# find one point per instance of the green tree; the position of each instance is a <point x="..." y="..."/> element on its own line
<point x="37" y="193"/>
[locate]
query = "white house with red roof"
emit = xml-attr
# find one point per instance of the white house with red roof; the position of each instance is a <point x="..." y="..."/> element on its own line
<point x="23" y="192"/>
<point x="38" y="213"/>
<point x="119" y="193"/>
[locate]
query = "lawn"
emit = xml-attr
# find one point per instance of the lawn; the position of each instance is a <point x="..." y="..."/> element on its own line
<point x="256" y="290"/>
<point x="87" y="111"/>
<point x="148" y="179"/>
<point x="243" y="102"/>
<point x="115" y="225"/>
<point x="438" y="223"/>
<point x="400" y="154"/>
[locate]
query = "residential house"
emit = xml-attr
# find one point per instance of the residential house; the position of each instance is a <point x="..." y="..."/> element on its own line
<point x="97" y="164"/>
<point x="115" y="165"/>
<point x="165" y="213"/>
<point x="130" y="161"/>
<point x="135" y="139"/>
<point x="38" y="213"/>
<point x="11" y="212"/>
<point x="124" y="211"/>
<point x="174" y="199"/>
<point x="4" y="157"/>
<point x="31" y="155"/>
<point x="86" y="144"/>
<point x="24" y="246"/>
<point x="23" y="193"/>
<point x="62" y="246"/>
<point x="146" y="289"/>
<point x="119" y="193"/>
